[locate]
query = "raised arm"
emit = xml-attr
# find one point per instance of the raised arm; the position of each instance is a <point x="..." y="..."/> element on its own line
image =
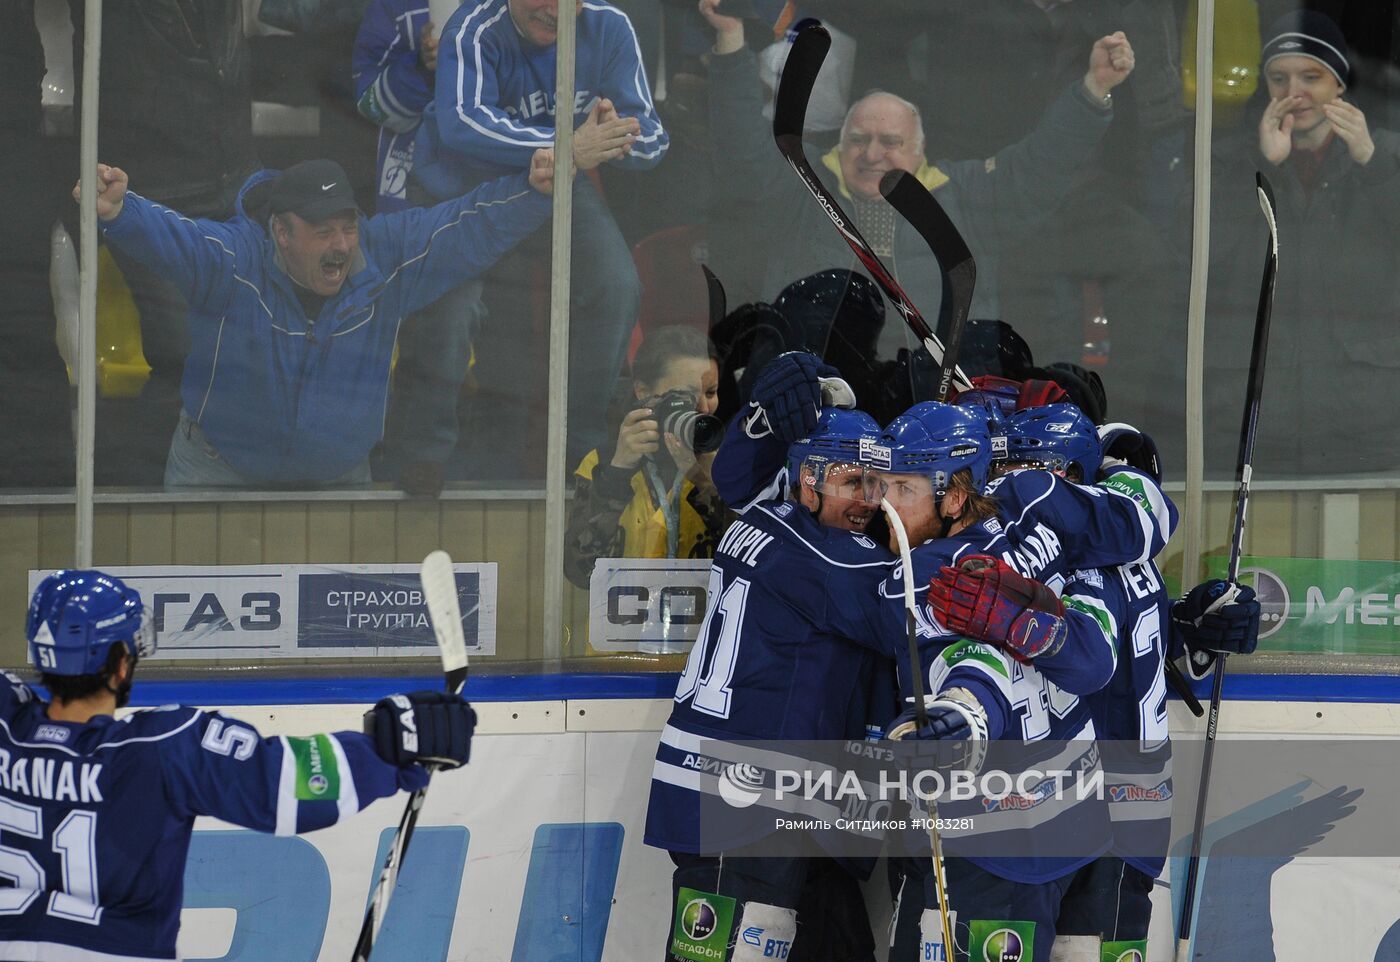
<point x="1025" y="181"/>
<point x="1071" y="639"/>
<point x="199" y="257"/>
<point x="438" y="247"/>
<point x="747" y="166"/>
<point x="222" y="767"/>
<point x="1124" y="519"/>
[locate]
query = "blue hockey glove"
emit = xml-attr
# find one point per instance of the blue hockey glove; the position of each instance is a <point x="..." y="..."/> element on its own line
<point x="787" y="397"/>
<point x="956" y="719"/>
<point x="422" y="727"/>
<point x="1218" y="617"/>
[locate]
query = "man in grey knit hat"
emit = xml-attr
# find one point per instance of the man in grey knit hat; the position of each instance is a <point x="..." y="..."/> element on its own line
<point x="1334" y="337"/>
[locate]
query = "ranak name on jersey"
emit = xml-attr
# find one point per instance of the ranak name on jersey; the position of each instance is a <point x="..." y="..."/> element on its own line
<point x="47" y="778"/>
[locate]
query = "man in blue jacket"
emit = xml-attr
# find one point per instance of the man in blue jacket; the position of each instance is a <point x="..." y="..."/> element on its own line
<point x="295" y="304"/>
<point x="492" y="107"/>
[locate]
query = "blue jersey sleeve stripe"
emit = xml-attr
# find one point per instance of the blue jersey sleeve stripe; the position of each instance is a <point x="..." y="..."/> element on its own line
<point x="1100" y="616"/>
<point x="349" y="801"/>
<point x="650" y="122"/>
<point x="773" y="492"/>
<point x="815" y="551"/>
<point x="400" y="118"/>
<point x="286" y="791"/>
<point x="532" y="137"/>
<point x="118" y="743"/>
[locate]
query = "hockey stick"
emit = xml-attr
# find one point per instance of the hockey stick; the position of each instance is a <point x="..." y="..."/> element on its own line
<point x="804" y="62"/>
<point x="1244" y="469"/>
<point x="1182" y="687"/>
<point x="927" y="216"/>
<point x="916" y="684"/>
<point x="719" y="304"/>
<point x="440" y="593"/>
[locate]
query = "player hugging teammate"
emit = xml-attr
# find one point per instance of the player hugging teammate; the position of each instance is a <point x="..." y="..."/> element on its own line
<point x="1042" y="625"/>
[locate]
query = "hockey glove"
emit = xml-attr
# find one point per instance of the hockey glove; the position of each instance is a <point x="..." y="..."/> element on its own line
<point x="1124" y="444"/>
<point x="985" y="598"/>
<point x="787" y="397"/>
<point x="1217" y="617"/>
<point x="955" y="718"/>
<point x="422" y="727"/>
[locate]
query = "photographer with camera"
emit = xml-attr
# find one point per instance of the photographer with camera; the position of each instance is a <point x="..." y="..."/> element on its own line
<point x="651" y="495"/>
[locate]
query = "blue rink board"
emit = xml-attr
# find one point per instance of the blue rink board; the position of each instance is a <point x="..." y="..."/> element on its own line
<point x="292" y="691"/>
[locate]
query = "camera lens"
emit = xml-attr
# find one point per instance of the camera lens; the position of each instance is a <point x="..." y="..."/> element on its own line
<point x="709" y="432"/>
<point x="701" y="433"/>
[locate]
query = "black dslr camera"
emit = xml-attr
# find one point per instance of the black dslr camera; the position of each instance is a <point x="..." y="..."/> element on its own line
<point x="675" y="412"/>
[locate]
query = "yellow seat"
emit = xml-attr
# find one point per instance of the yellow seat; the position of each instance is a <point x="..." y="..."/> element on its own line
<point x="122" y="370"/>
<point x="1235" y="68"/>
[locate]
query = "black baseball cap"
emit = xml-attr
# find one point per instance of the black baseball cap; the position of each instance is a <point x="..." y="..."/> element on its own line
<point x="314" y="190"/>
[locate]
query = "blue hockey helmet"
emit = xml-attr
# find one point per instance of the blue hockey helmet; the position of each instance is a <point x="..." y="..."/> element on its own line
<point x="992" y="408"/>
<point x="935" y="440"/>
<point x="76" y="617"/>
<point x="1055" y="436"/>
<point x="835" y="440"/>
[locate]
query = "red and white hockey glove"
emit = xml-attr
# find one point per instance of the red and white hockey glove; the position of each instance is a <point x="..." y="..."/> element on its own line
<point x="985" y="598"/>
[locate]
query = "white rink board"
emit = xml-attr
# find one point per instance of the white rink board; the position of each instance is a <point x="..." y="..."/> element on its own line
<point x="575" y="762"/>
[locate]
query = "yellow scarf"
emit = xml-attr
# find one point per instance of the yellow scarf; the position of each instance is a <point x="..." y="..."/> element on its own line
<point x="931" y="177"/>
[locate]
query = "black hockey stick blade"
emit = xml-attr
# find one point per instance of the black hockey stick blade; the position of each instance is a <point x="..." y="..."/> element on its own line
<point x="804" y="62"/>
<point x="1182" y="687"/>
<point x="799" y="76"/>
<point x="921" y="209"/>
<point x="719" y="304"/>
<point x="1258" y="355"/>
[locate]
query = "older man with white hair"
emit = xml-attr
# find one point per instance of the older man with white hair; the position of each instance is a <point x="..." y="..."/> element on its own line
<point x="992" y="200"/>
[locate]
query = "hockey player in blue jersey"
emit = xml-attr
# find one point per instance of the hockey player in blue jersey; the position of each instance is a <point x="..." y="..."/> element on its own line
<point x="97" y="812"/>
<point x="1108" y="900"/>
<point x="784" y="653"/>
<point x="931" y="464"/>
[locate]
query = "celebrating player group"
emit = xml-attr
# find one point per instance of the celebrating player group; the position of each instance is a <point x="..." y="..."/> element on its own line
<point x="1041" y="618"/>
<point x="992" y="552"/>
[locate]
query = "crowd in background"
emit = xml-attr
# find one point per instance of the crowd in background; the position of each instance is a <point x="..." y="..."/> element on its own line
<point x="1072" y="186"/>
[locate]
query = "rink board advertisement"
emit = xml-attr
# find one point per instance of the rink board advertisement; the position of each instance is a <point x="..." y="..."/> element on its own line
<point x="1317" y="606"/>
<point x="653" y="605"/>
<point x="533" y="853"/>
<point x="266" y="612"/>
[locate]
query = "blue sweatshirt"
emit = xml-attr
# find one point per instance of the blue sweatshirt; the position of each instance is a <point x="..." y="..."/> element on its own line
<point x="494" y="102"/>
